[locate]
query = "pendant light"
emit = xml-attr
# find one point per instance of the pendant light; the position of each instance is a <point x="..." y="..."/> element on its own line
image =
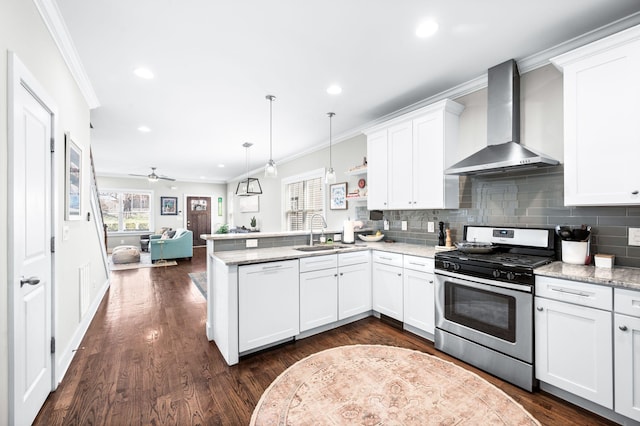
<point x="249" y="186"/>
<point x="331" y="174"/>
<point x="270" y="170"/>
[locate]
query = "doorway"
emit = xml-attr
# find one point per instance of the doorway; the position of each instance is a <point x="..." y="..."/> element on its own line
<point x="199" y="218"/>
<point x="30" y="259"/>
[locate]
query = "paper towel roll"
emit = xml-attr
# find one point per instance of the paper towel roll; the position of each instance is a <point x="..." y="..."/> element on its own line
<point x="347" y="232"/>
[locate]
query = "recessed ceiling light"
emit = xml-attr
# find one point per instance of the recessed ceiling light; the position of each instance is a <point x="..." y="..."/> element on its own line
<point x="203" y="177"/>
<point x="143" y="73"/>
<point x="221" y="166"/>
<point x="144" y="129"/>
<point x="334" y="89"/>
<point x="427" y="28"/>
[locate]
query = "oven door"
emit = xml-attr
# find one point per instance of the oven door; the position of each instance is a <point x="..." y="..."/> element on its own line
<point x="491" y="313"/>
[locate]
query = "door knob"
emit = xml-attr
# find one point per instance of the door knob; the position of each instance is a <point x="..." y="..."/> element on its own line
<point x="30" y="281"/>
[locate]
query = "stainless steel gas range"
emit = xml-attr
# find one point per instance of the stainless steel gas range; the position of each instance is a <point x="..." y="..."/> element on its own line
<point x="484" y="299"/>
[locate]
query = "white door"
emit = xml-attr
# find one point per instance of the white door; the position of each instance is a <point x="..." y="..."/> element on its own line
<point x="30" y="134"/>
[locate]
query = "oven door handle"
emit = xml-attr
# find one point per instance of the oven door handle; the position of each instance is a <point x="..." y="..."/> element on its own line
<point x="469" y="278"/>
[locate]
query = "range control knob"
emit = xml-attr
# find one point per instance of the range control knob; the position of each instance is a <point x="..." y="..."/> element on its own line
<point x="455" y="266"/>
<point x="511" y="276"/>
<point x="445" y="264"/>
<point x="496" y="273"/>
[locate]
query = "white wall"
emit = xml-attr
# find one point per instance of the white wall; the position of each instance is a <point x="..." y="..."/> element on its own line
<point x="164" y="188"/>
<point x="23" y="32"/>
<point x="345" y="155"/>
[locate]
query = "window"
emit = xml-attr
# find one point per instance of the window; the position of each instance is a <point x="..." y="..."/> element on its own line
<point x="128" y="211"/>
<point x="303" y="197"/>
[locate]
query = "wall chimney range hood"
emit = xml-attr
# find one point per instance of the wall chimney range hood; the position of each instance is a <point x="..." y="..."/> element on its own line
<point x="503" y="151"/>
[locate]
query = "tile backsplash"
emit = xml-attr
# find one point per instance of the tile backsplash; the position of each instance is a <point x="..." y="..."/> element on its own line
<point x="530" y="198"/>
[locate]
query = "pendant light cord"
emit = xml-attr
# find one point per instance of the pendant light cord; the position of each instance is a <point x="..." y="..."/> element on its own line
<point x="271" y="99"/>
<point x="330" y="114"/>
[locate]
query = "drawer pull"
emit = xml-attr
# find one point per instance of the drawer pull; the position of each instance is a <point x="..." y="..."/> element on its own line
<point x="634" y="192"/>
<point x="539" y="308"/>
<point x="623" y="328"/>
<point x="264" y="268"/>
<point x="385" y="258"/>
<point x="417" y="264"/>
<point x="571" y="292"/>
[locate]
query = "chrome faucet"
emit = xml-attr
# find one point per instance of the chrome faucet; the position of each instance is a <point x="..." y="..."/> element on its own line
<point x="324" y="224"/>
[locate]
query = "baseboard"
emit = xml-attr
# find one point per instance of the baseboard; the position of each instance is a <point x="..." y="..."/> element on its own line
<point x="65" y="358"/>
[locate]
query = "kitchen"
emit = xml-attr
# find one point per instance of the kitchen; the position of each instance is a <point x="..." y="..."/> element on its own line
<point x="488" y="199"/>
<point x="226" y="267"/>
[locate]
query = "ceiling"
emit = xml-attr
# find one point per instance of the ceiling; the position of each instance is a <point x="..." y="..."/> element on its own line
<point x="215" y="61"/>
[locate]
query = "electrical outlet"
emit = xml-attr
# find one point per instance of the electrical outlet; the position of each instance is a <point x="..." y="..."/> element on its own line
<point x="121" y="241"/>
<point x="404" y="225"/>
<point x="634" y="236"/>
<point x="252" y="243"/>
<point x="386" y="225"/>
<point x="431" y="227"/>
<point x="337" y="237"/>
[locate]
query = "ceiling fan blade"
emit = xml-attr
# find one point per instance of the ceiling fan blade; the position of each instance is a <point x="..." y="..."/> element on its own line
<point x="166" y="178"/>
<point x="131" y="174"/>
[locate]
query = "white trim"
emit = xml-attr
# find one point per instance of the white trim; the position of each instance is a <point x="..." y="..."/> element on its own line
<point x="58" y="29"/>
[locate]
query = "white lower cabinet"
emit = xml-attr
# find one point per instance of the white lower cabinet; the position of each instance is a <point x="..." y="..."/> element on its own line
<point x="387" y="285"/>
<point x="354" y="283"/>
<point x="318" y="291"/>
<point x="419" y="288"/>
<point x="268" y="303"/>
<point x="573" y="338"/>
<point x="626" y="334"/>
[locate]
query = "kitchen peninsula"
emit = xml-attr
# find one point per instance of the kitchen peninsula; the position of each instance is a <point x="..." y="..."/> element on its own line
<point x="278" y="268"/>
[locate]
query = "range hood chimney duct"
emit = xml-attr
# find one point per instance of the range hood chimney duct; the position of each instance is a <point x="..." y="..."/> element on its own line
<point x="503" y="151"/>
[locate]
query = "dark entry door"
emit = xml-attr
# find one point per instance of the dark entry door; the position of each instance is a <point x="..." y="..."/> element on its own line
<point x="199" y="218"/>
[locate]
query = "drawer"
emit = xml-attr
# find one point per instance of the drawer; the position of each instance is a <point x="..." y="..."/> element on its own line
<point x="580" y="293"/>
<point x="394" y="259"/>
<point x="316" y="263"/>
<point x="417" y="263"/>
<point x="354" y="257"/>
<point x="627" y="301"/>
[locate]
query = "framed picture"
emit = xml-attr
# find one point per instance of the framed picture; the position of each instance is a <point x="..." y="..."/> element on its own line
<point x="169" y="206"/>
<point x="249" y="204"/>
<point x="338" y="196"/>
<point x="73" y="180"/>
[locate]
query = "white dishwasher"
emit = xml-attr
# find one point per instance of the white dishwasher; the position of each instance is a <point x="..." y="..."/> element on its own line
<point x="268" y="303"/>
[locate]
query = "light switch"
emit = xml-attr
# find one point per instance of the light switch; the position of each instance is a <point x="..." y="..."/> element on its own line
<point x="252" y="243"/>
<point x="404" y="225"/>
<point x="431" y="227"/>
<point x="386" y="225"/>
<point x="65" y="233"/>
<point x="634" y="236"/>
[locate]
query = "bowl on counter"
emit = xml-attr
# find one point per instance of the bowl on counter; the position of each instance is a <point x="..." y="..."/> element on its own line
<point x="371" y="238"/>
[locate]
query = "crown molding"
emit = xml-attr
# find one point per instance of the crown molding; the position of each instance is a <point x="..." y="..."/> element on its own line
<point x="57" y="28"/>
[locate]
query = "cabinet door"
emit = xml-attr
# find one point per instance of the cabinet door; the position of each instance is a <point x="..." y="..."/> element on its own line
<point x="387" y="290"/>
<point x="354" y="290"/>
<point x="428" y="161"/>
<point x="601" y="110"/>
<point x="268" y="303"/>
<point x="318" y="298"/>
<point x="626" y="333"/>
<point x="377" y="170"/>
<point x="400" y="177"/>
<point x="419" y="301"/>
<point x="573" y="349"/>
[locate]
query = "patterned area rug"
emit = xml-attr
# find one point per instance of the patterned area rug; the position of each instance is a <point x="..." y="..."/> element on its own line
<point x="199" y="279"/>
<point x="145" y="262"/>
<point x="384" y="385"/>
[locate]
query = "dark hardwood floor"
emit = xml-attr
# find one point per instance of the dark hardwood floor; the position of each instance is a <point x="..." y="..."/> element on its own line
<point x="146" y="360"/>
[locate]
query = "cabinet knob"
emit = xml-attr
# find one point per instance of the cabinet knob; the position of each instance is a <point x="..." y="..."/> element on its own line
<point x="399" y="274"/>
<point x="539" y="308"/>
<point x="635" y="192"/>
<point x="623" y="328"/>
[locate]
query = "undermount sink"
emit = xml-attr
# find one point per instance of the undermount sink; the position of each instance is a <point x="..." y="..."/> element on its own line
<point x="320" y="248"/>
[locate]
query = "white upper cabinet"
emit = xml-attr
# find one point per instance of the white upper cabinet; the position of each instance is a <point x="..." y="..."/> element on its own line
<point x="407" y="157"/>
<point x="601" y="121"/>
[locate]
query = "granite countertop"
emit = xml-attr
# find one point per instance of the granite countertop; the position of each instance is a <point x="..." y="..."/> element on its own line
<point x="618" y="276"/>
<point x="273" y="254"/>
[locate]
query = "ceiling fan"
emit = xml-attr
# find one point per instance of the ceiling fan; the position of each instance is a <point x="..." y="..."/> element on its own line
<point x="153" y="177"/>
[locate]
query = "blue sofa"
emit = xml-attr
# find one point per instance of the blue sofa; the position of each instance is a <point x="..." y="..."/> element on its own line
<point x="179" y="246"/>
